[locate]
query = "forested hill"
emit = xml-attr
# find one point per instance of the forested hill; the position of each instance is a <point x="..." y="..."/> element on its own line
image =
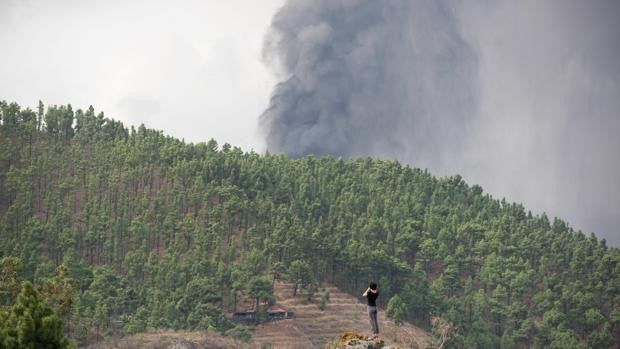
<point x="158" y="233"/>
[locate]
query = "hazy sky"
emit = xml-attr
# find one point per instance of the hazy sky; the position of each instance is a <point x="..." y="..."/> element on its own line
<point x="191" y="68"/>
<point x="533" y="106"/>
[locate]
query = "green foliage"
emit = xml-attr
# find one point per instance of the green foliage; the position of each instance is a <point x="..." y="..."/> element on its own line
<point x="324" y="299"/>
<point x="261" y="289"/>
<point x="299" y="274"/>
<point x="137" y="322"/>
<point x="31" y="323"/>
<point x="278" y="271"/>
<point x="208" y="317"/>
<point x="198" y="291"/>
<point x="396" y="310"/>
<point x="239" y="332"/>
<point x="154" y="232"/>
<point x="58" y="291"/>
<point x="10" y="279"/>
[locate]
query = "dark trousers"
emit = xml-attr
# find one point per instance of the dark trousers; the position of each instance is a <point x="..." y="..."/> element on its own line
<point x="372" y="314"/>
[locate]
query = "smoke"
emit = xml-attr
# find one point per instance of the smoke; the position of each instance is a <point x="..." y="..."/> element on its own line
<point x="520" y="97"/>
<point x="548" y="120"/>
<point x="364" y="77"/>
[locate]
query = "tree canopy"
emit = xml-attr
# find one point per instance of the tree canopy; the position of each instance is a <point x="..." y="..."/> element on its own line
<point x="154" y="232"/>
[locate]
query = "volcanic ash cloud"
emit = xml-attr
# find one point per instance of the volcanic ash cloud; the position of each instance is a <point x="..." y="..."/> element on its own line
<point x="386" y="78"/>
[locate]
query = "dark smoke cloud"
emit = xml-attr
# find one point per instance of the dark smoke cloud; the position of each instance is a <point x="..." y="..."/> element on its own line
<point x="520" y="97"/>
<point x="366" y="77"/>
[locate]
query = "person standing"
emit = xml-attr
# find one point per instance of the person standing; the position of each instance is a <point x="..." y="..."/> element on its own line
<point x="372" y="293"/>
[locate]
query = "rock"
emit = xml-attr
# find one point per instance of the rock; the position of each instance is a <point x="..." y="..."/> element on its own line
<point x="352" y="340"/>
<point x="186" y="344"/>
<point x="183" y="345"/>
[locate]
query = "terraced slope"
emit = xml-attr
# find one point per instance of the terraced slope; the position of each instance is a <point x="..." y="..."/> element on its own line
<point x="313" y="328"/>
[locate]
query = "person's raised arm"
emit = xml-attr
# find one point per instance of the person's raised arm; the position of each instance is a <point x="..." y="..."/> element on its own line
<point x="366" y="292"/>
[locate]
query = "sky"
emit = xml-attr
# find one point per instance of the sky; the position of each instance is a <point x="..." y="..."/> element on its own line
<point x="190" y="68"/>
<point x="522" y="97"/>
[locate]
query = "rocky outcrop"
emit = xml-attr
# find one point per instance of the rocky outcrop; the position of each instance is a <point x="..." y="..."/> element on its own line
<point x="183" y="344"/>
<point x="352" y="340"/>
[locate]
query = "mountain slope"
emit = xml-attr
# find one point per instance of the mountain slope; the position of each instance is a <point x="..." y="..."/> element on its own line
<point x="157" y="233"/>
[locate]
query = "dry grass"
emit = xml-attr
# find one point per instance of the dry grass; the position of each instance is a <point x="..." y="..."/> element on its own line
<point x="171" y="339"/>
<point x="314" y="328"/>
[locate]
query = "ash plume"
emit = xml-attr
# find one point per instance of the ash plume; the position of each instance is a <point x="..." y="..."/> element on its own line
<point x="365" y="77"/>
<point x="519" y="97"/>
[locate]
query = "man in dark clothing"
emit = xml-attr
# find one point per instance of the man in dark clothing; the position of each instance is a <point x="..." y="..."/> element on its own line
<point x="371" y="294"/>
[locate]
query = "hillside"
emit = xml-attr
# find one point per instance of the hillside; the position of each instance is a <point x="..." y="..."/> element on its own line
<point x="310" y="328"/>
<point x="314" y="328"/>
<point x="127" y="230"/>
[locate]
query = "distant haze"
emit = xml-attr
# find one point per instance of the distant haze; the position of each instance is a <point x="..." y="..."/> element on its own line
<point x="521" y="97"/>
<point x="189" y="67"/>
